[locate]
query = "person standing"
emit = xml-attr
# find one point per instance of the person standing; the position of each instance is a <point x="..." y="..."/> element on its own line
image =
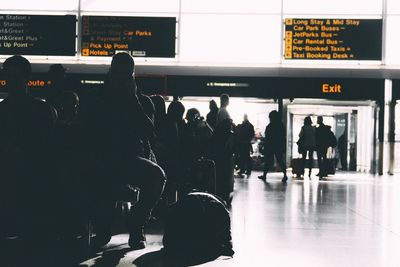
<point x="56" y="86"/>
<point x="224" y="151"/>
<point x="307" y="143"/>
<point x="212" y="115"/>
<point x="275" y="145"/>
<point x="342" y="147"/>
<point x="246" y="133"/>
<point x="223" y="113"/>
<point x="322" y="134"/>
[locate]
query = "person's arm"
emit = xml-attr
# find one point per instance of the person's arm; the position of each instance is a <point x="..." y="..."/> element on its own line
<point x="301" y="134"/>
<point x="145" y="124"/>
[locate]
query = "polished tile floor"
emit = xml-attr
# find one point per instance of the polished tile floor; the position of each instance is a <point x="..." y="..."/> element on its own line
<point x="351" y="219"/>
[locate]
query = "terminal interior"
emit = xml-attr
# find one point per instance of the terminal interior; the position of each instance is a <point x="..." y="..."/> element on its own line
<point x="278" y="55"/>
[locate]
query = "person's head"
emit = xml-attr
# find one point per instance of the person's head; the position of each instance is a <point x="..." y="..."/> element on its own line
<point x="69" y="106"/>
<point x="245" y="117"/>
<point x="307" y="121"/>
<point x="159" y="105"/>
<point x="56" y="74"/>
<point x="273" y="116"/>
<point x="224" y="98"/>
<point x="320" y="120"/>
<point x="192" y="114"/>
<point x="122" y="64"/>
<point x="17" y="71"/>
<point x="213" y="105"/>
<point x="176" y="110"/>
<point x="121" y="73"/>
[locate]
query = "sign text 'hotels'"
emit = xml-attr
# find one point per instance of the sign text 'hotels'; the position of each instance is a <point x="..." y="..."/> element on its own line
<point x="138" y="36"/>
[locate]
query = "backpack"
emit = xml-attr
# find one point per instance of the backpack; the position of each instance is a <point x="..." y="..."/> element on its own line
<point x="197" y="229"/>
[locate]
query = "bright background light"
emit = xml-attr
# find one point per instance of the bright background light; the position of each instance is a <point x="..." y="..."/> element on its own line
<point x="135" y="6"/>
<point x="230" y="38"/>
<point x="393" y="40"/>
<point x="232" y="6"/>
<point x="340" y="7"/>
<point x="393" y="7"/>
<point x="40" y="5"/>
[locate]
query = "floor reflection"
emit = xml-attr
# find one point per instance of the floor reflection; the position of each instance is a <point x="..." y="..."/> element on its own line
<point x="348" y="220"/>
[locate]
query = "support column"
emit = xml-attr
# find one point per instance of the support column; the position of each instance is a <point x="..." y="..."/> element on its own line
<point x="386" y="132"/>
<point x="391" y="133"/>
<point x="282" y="109"/>
<point x="381" y="123"/>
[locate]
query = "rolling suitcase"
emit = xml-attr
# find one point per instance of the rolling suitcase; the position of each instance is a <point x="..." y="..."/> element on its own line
<point x="297" y="167"/>
<point x="330" y="162"/>
<point x="330" y="166"/>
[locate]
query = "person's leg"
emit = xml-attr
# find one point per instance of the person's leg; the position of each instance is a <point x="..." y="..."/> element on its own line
<point x="242" y="158"/>
<point x="303" y="161"/>
<point x="268" y="163"/>
<point x="310" y="161"/>
<point x="343" y="160"/>
<point x="280" y="159"/>
<point x="150" y="179"/>
<point x="249" y="161"/>
<point x="324" y="162"/>
<point x="320" y="162"/>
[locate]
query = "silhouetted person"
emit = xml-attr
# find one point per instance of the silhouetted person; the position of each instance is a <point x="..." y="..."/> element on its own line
<point x="26" y="125"/>
<point x="342" y="147"/>
<point x="275" y="145"/>
<point x="160" y="115"/>
<point x="196" y="137"/>
<point x="117" y="129"/>
<point x="175" y="126"/>
<point x="160" y="121"/>
<point x="223" y="148"/>
<point x="57" y="84"/>
<point x="223" y="113"/>
<point x="212" y="115"/>
<point x="307" y="143"/>
<point x="322" y="142"/>
<point x="174" y="130"/>
<point x="245" y="132"/>
<point x="67" y="131"/>
<point x="149" y="110"/>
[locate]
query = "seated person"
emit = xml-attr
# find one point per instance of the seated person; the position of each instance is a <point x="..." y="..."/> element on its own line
<point x="115" y="131"/>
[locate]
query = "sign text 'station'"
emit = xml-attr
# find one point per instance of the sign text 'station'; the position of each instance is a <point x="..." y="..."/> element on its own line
<point x="37" y="35"/>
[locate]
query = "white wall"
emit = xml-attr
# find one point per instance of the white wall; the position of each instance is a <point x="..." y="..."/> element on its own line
<point x="230" y="38"/>
<point x="132" y="6"/>
<point x="40" y="5"/>
<point x="392" y="33"/>
<point x="337" y="7"/>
